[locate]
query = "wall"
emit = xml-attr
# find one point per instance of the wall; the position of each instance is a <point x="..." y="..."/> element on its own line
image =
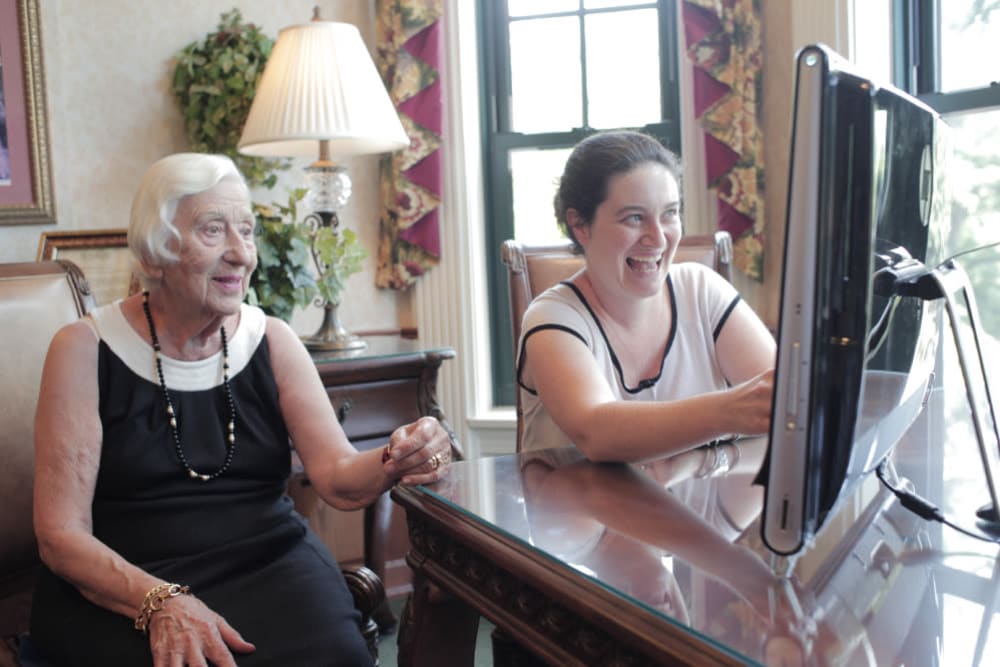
<point x="776" y="110"/>
<point x="788" y="26"/>
<point x="111" y="113"/>
<point x="108" y="67"/>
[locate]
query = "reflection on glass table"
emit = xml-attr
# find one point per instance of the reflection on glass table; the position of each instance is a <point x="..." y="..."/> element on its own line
<point x="877" y="586"/>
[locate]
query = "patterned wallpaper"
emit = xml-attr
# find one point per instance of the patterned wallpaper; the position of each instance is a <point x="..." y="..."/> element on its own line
<point x="108" y="67"/>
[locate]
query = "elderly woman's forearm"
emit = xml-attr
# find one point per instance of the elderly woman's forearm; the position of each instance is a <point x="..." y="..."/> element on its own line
<point x="353" y="482"/>
<point x="98" y="573"/>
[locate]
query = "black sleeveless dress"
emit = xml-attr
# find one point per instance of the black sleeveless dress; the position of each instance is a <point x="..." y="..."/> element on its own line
<point x="235" y="540"/>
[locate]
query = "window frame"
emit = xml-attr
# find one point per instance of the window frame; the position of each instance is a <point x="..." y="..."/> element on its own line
<point x="498" y="140"/>
<point x="917" y="61"/>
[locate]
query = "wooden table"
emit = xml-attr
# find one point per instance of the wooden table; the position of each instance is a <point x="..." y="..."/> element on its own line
<point x="604" y="564"/>
<point x="391" y="382"/>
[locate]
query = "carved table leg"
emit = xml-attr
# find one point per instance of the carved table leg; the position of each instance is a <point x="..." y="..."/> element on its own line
<point x="437" y="630"/>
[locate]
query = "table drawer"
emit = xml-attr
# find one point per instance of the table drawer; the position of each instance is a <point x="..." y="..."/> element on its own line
<point x="375" y="409"/>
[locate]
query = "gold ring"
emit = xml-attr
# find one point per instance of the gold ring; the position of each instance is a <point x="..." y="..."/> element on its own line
<point x="435" y="462"/>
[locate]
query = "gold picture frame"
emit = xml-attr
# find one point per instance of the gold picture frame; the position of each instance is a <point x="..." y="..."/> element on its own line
<point x="26" y="195"/>
<point x="102" y="254"/>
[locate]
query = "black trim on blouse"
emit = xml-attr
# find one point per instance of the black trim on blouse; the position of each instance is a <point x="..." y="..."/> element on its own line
<point x="643" y="384"/>
<point x="524" y="341"/>
<point x="725" y="316"/>
<point x="648" y="382"/>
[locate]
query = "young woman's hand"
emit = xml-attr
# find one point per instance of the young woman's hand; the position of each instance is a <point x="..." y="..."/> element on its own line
<point x="748" y="405"/>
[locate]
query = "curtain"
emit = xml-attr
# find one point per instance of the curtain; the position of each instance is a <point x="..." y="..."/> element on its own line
<point x="408" y="49"/>
<point x="724" y="45"/>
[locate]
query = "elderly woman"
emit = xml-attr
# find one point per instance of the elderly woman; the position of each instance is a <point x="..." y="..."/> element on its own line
<point x="162" y="451"/>
<point x="634" y="357"/>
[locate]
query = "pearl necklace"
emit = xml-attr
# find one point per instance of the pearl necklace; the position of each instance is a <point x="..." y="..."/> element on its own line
<point x="231" y="438"/>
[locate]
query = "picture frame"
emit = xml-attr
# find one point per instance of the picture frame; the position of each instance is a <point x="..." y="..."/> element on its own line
<point x="26" y="195"/>
<point x="102" y="254"/>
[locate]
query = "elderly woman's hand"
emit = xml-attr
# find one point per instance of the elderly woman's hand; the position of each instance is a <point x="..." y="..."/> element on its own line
<point x="418" y="453"/>
<point x="187" y="632"/>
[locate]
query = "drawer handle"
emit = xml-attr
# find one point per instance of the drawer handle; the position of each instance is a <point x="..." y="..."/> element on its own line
<point x="344" y="409"/>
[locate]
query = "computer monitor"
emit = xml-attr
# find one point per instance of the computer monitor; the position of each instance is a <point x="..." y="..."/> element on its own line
<point x="867" y="203"/>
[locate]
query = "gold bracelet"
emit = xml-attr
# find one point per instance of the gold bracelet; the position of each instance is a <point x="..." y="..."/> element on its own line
<point x="153" y="602"/>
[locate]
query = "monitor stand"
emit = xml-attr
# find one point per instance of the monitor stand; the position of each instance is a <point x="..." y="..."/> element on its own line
<point x="949" y="281"/>
<point x="988" y="519"/>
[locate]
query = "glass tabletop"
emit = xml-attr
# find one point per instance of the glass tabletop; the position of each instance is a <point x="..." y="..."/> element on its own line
<point x="877" y="585"/>
<point x="380" y="346"/>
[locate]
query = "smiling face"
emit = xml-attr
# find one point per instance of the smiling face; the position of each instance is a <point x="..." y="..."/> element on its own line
<point x="631" y="241"/>
<point x="217" y="252"/>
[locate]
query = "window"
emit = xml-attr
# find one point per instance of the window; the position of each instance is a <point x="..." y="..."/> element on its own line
<point x="940" y="52"/>
<point x="552" y="72"/>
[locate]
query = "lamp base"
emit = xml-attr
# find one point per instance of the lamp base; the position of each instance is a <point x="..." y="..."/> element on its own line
<point x="332" y="335"/>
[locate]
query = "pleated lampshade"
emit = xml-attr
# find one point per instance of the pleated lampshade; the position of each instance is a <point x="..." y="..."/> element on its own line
<point x="320" y="83"/>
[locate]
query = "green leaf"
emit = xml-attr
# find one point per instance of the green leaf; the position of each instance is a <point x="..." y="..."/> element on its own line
<point x="207" y="88"/>
<point x="342" y="256"/>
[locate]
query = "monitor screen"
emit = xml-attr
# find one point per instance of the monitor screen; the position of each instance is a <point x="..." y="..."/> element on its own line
<point x="866" y="204"/>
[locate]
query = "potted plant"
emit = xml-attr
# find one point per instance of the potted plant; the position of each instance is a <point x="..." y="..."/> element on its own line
<point x="287" y="249"/>
<point x="339" y="254"/>
<point x="282" y="280"/>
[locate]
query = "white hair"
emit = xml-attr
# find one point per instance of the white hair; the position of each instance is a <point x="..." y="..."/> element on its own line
<point x="152" y="235"/>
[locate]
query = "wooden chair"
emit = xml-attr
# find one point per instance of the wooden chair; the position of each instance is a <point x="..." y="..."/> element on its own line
<point x="36" y="300"/>
<point x="531" y="269"/>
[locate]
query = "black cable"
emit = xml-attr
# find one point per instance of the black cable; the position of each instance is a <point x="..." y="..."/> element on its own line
<point x="926" y="509"/>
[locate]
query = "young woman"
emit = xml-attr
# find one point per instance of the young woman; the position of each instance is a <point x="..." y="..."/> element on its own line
<point x="634" y="357"/>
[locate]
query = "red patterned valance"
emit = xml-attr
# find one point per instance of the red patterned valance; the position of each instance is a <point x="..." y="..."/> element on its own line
<point x="724" y="45"/>
<point x="408" y="50"/>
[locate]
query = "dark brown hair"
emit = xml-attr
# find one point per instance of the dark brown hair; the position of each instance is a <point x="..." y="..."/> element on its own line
<point x="594" y="161"/>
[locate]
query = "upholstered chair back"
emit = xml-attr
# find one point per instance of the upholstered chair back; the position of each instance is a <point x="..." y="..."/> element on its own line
<point x="36" y="299"/>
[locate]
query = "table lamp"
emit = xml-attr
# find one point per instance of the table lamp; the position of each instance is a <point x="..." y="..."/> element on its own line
<point x="320" y="94"/>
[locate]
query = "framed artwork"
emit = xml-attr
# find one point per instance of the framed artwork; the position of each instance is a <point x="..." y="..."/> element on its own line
<point x="103" y="256"/>
<point x="25" y="174"/>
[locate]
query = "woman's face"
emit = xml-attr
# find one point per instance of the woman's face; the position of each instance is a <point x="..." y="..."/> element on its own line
<point x="217" y="251"/>
<point x="635" y="231"/>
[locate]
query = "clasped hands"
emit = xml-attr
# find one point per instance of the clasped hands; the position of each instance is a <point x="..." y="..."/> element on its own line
<point x="418" y="453"/>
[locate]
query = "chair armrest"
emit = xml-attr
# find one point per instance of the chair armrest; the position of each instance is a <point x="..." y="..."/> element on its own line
<point x="365" y="586"/>
<point x="369" y="593"/>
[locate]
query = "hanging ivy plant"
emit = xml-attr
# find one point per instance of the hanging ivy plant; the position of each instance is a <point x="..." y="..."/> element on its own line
<point x="214" y="83"/>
